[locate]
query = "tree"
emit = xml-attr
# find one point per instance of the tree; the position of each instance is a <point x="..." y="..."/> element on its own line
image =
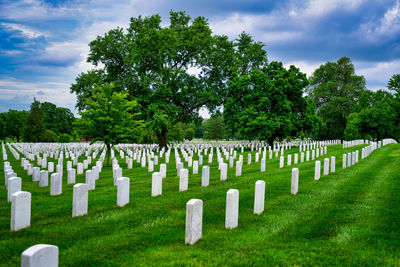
<point x="335" y="90"/>
<point x="3" y="125"/>
<point x="34" y="127"/>
<point x="377" y="121"/>
<point x="215" y="128"/>
<point x="189" y="134"/>
<point x="15" y="121"/>
<point x="49" y="136"/>
<point x="58" y="119"/>
<point x="267" y="103"/>
<point x="394" y="84"/>
<point x="109" y="117"/>
<point x="64" y="138"/>
<point x="151" y="64"/>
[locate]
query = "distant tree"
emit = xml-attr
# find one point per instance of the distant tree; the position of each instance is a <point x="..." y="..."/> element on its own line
<point x="34" y="127"/>
<point x="64" y="138"/>
<point x="214" y="128"/>
<point x="176" y="133"/>
<point x="394" y="84"/>
<point x="335" y="90"/>
<point x="189" y="134"/>
<point x="3" y="125"/>
<point x="15" y="121"/>
<point x="49" y="136"/>
<point x="377" y="121"/>
<point x="58" y="119"/>
<point x="267" y="103"/>
<point x="150" y="62"/>
<point x="109" y="117"/>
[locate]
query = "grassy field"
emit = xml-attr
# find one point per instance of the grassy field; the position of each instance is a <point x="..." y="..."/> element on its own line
<point x="351" y="217"/>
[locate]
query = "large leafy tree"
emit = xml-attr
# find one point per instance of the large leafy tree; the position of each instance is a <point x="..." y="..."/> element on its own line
<point x="109" y="117"/>
<point x="154" y="65"/>
<point x="15" y="121"/>
<point x="34" y="127"/>
<point x="378" y="120"/>
<point x="57" y="119"/>
<point x="335" y="90"/>
<point x="394" y="84"/>
<point x="215" y="128"/>
<point x="267" y="103"/>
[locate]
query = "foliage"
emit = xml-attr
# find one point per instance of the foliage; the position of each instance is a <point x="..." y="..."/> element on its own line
<point x="109" y="117"/>
<point x="176" y="133"/>
<point x="64" y="138"/>
<point x="34" y="128"/>
<point x="49" y="136"/>
<point x="189" y="134"/>
<point x="214" y="128"/>
<point x="377" y="121"/>
<point x="15" y="121"/>
<point x="394" y="84"/>
<point x="150" y="62"/>
<point x="57" y="119"/>
<point x="267" y="103"/>
<point x="335" y="90"/>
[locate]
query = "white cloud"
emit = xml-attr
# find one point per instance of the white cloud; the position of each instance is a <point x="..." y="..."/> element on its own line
<point x="23" y="30"/>
<point x="386" y="27"/>
<point x="377" y="72"/>
<point x="318" y="8"/>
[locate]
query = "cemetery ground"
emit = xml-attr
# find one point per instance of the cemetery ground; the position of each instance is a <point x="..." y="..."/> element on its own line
<point x="350" y="217"/>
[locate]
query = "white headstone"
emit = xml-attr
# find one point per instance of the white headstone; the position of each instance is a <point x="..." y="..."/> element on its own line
<point x="317" y="173"/>
<point x="238" y="168"/>
<point x="44" y="178"/>
<point x="295" y="181"/>
<point x="333" y="163"/>
<point x="195" y="167"/>
<point x="163" y="170"/>
<point x="123" y="191"/>
<point x="80" y="200"/>
<point x="156" y="184"/>
<point x="55" y="184"/>
<point x="14" y="185"/>
<point x="20" y="210"/>
<point x="326" y="166"/>
<point x="183" y="179"/>
<point x="71" y="176"/>
<point x="41" y="255"/>
<point x="259" y="197"/>
<point x="232" y="209"/>
<point x="224" y="172"/>
<point x="90" y="180"/>
<point x="205" y="176"/>
<point x="344" y="161"/>
<point x="194" y="221"/>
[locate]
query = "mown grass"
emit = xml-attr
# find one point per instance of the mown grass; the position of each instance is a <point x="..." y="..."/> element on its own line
<point x="350" y="217"/>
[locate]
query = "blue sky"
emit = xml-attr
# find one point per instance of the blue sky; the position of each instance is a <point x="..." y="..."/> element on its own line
<point x="44" y="44"/>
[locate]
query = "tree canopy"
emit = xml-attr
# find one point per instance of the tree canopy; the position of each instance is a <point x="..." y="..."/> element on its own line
<point x="170" y="71"/>
<point x="335" y="90"/>
<point x="34" y="127"/>
<point x="267" y="103"/>
<point x="109" y="117"/>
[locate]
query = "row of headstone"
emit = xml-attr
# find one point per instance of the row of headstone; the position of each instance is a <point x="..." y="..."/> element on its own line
<point x="194" y="212"/>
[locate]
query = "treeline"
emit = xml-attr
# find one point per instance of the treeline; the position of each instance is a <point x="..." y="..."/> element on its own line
<point x="44" y="122"/>
<point x="143" y="77"/>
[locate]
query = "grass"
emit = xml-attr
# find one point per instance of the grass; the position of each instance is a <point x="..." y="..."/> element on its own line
<point x="350" y="217"/>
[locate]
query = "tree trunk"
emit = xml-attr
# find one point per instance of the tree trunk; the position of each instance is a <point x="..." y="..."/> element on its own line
<point x="162" y="138"/>
<point x="108" y="154"/>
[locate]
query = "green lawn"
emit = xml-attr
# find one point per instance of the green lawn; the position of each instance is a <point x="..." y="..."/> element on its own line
<point x="351" y="217"/>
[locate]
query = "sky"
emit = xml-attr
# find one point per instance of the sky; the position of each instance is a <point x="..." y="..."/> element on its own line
<point x="44" y="43"/>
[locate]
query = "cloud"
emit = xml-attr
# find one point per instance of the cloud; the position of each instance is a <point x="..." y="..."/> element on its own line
<point x="385" y="28"/>
<point x="23" y="31"/>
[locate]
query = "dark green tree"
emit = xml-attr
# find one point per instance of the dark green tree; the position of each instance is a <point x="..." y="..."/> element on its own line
<point x="267" y="103"/>
<point x="151" y="62"/>
<point x="377" y="121"/>
<point x="15" y="121"/>
<point x="58" y="119"/>
<point x="109" y="117"/>
<point x="214" y="128"/>
<point x="34" y="127"/>
<point x="394" y="84"/>
<point x="335" y="90"/>
<point x="3" y="126"/>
